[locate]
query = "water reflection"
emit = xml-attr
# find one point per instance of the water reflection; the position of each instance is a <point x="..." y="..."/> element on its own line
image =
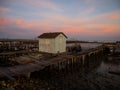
<point x="93" y="75"/>
<point x="86" y="46"/>
<point x="108" y="65"/>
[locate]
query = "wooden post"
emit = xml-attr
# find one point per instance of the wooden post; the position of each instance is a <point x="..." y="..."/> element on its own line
<point x="65" y="65"/>
<point x="75" y="60"/>
<point x="19" y="78"/>
<point x="72" y="62"/>
<point x="59" y="66"/>
<point x="69" y="64"/>
<point x="51" y="67"/>
<point x="88" y="61"/>
<point x="83" y="58"/>
<point x="28" y="75"/>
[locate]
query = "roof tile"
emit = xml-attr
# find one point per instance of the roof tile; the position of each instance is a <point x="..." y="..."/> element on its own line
<point x="51" y="35"/>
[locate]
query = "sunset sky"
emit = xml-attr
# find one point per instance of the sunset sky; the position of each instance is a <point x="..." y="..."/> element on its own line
<point x="78" y="19"/>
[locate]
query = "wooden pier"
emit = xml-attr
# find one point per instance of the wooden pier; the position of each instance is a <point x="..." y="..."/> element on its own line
<point x="8" y="45"/>
<point x="37" y="61"/>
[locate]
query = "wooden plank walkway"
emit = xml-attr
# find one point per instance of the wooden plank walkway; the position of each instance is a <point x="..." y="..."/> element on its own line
<point x="16" y="52"/>
<point x="30" y="67"/>
<point x="37" y="64"/>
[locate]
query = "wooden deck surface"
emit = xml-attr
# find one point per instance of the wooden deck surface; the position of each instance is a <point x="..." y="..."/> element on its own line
<point x="36" y="64"/>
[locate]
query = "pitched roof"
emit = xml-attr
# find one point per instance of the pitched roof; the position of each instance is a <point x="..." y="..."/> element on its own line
<point x="51" y="35"/>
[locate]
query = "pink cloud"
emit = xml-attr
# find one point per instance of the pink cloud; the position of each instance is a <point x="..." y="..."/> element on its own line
<point x="107" y="17"/>
<point x="20" y="21"/>
<point x="78" y="26"/>
<point x="114" y="15"/>
<point x="37" y="24"/>
<point x="9" y="21"/>
<point x="99" y="19"/>
<point x="63" y="19"/>
<point x="92" y="30"/>
<point x="3" y="10"/>
<point x="69" y="27"/>
<point x="4" y="21"/>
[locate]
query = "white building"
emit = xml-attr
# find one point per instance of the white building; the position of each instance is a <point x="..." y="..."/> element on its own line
<point x="54" y="42"/>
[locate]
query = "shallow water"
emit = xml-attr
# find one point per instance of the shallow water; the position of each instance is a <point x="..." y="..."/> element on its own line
<point x="92" y="77"/>
<point x="85" y="46"/>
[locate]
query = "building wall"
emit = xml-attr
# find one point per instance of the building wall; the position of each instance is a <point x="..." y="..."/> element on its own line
<point x="47" y="45"/>
<point x="60" y="44"/>
<point x="55" y="45"/>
